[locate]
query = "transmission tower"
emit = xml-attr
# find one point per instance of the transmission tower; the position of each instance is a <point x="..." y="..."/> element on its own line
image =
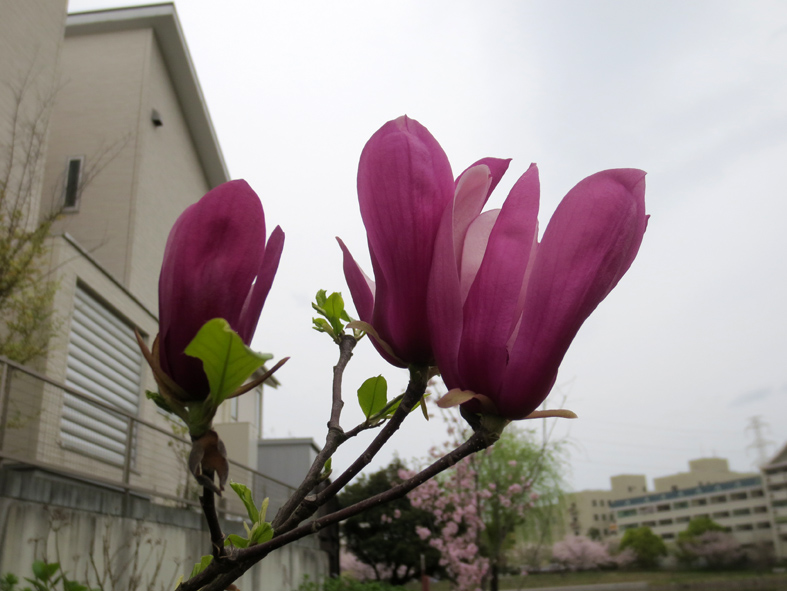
<point x="760" y="444"/>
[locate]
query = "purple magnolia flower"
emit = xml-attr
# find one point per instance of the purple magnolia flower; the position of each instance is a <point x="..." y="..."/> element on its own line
<point x="504" y="308"/>
<point x="216" y="265"/>
<point x="404" y="185"/>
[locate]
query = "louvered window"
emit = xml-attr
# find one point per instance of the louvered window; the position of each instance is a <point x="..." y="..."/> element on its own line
<point x="105" y="364"/>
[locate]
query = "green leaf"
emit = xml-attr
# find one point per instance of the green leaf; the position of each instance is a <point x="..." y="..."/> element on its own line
<point x="43" y="571"/>
<point x="201" y="565"/>
<point x="37" y="584"/>
<point x="333" y="306"/>
<point x="326" y="469"/>
<point x="236" y="541"/>
<point x="322" y="325"/>
<point x="158" y="400"/>
<point x="226" y="360"/>
<point x="321" y="297"/>
<point x="261" y="533"/>
<point x="263" y="509"/>
<point x="373" y="395"/>
<point x="74" y="586"/>
<point x="245" y="495"/>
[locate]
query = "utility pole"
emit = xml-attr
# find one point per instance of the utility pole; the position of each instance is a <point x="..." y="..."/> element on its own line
<point x="760" y="444"/>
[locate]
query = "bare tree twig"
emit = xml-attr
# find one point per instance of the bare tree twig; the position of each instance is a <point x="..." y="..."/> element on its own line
<point x="415" y="390"/>
<point x="333" y="440"/>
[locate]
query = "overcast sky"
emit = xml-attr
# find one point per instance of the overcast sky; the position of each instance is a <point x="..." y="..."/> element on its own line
<point x="693" y="341"/>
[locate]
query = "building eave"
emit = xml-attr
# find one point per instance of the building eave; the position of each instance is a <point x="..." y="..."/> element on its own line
<point x="163" y="19"/>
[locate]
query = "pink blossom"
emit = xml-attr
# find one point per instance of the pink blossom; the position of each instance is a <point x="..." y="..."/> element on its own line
<point x="504" y="307"/>
<point x="216" y="265"/>
<point x="515" y="489"/>
<point x="404" y="185"/>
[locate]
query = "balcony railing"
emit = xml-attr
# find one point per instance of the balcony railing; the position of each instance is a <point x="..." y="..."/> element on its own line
<point x="153" y="456"/>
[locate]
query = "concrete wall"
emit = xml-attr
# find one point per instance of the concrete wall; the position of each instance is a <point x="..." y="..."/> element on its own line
<point x="45" y="517"/>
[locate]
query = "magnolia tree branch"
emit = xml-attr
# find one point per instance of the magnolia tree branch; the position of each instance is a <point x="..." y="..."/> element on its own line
<point x="333" y="440"/>
<point x="419" y="376"/>
<point x="220" y="574"/>
<point x="208" y="502"/>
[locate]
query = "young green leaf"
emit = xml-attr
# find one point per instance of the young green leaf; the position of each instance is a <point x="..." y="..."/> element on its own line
<point x="321" y="297"/>
<point x="245" y="495"/>
<point x="322" y="325"/>
<point x="263" y="509"/>
<point x="260" y="533"/>
<point x="158" y="400"/>
<point x="373" y="395"/>
<point x="226" y="360"/>
<point x="43" y="571"/>
<point x="201" y="565"/>
<point x="237" y="541"/>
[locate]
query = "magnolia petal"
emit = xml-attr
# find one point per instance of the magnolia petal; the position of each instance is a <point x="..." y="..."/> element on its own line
<point x="455" y="397"/>
<point x="383" y="347"/>
<point x="200" y="280"/>
<point x="497" y="168"/>
<point x="588" y="245"/>
<point x="560" y="413"/>
<point x="472" y="189"/>
<point x="491" y="303"/>
<point x="404" y="184"/>
<point x="444" y="302"/>
<point x="361" y="287"/>
<point x="475" y="241"/>
<point x="262" y="286"/>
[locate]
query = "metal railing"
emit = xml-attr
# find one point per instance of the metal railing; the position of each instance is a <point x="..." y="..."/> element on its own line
<point x="154" y="458"/>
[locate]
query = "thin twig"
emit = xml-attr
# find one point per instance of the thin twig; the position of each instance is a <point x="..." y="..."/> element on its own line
<point x="220" y="574"/>
<point x="333" y="439"/>
<point x="415" y="391"/>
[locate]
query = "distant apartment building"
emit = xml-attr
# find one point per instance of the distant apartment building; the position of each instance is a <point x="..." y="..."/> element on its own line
<point x="748" y="505"/>
<point x="774" y="475"/>
<point x="590" y="512"/>
<point x="739" y="505"/>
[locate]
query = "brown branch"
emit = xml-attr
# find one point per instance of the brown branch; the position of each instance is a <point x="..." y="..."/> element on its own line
<point x="208" y="502"/>
<point x="333" y="440"/>
<point x="219" y="575"/>
<point x="419" y="376"/>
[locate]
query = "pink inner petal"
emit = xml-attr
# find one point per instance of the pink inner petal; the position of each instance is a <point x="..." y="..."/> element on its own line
<point x="473" y="249"/>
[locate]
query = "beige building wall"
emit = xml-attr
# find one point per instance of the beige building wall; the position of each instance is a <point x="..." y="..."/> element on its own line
<point x="31" y="35"/>
<point x="627" y="485"/>
<point x="169" y="178"/>
<point x="739" y="505"/>
<point x="589" y="510"/>
<point x="96" y="118"/>
<point x="701" y="472"/>
<point x="775" y="479"/>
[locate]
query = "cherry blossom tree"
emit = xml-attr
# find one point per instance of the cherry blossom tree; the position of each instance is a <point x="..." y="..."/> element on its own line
<point x="484" y="499"/>
<point x="581" y="553"/>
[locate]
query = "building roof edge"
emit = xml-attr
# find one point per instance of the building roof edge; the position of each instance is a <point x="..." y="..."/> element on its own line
<point x="163" y="19"/>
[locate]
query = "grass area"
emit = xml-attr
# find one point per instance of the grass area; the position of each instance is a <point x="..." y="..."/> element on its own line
<point x="656" y="579"/>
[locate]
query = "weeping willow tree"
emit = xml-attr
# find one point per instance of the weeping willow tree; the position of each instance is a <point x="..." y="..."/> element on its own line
<point x="520" y="524"/>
